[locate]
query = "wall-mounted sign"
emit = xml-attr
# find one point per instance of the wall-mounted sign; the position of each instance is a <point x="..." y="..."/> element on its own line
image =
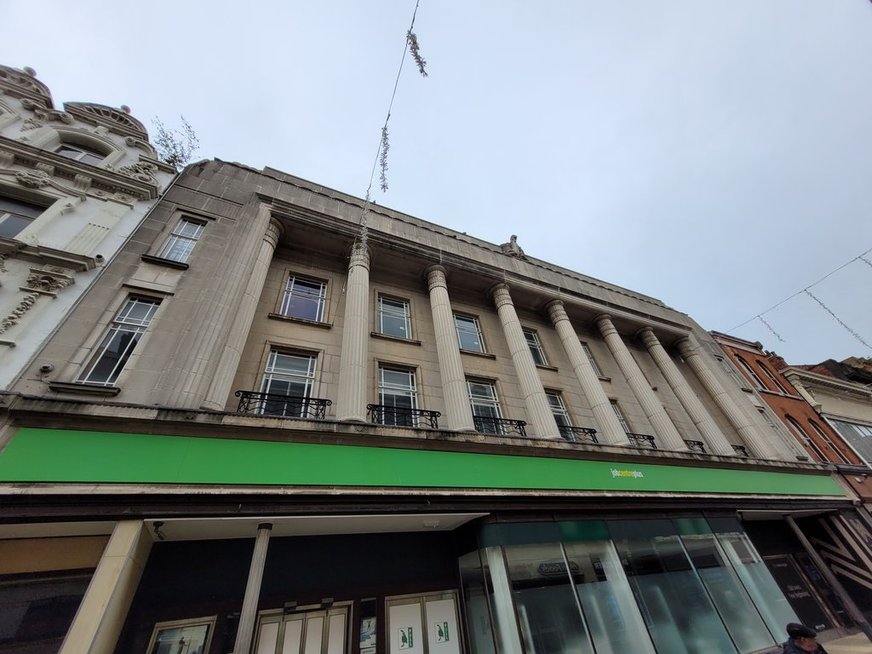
<point x="441" y="631"/>
<point x="556" y="568"/>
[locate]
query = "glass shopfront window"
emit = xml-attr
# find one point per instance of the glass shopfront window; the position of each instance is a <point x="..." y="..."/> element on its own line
<point x="684" y="586"/>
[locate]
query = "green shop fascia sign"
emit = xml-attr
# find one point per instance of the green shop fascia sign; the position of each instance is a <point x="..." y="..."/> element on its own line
<point x="57" y="455"/>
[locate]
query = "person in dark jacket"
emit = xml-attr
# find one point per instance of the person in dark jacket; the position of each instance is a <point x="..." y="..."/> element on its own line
<point x="802" y="640"/>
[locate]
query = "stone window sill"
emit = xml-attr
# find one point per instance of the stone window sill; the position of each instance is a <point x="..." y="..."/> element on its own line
<point x="543" y="366"/>
<point x="398" y="339"/>
<point x="301" y="321"/>
<point x="169" y="263"/>
<point x="84" y="389"/>
<point x="484" y="355"/>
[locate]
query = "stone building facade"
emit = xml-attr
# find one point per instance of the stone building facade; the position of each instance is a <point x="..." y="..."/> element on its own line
<point x="74" y="184"/>
<point x="309" y="432"/>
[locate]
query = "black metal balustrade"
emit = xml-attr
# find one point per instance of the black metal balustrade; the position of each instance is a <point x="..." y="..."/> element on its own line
<point x="499" y="426"/>
<point x="286" y="406"/>
<point x="642" y="441"/>
<point x="382" y="414"/>
<point x="578" y="434"/>
<point x="695" y="446"/>
<point x="741" y="450"/>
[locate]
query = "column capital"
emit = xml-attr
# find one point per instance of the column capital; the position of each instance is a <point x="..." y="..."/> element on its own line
<point x="359" y="255"/>
<point x="501" y="295"/>
<point x="273" y="232"/>
<point x="604" y="322"/>
<point x="647" y="336"/>
<point x="436" y="275"/>
<point x="686" y="346"/>
<point x="556" y="311"/>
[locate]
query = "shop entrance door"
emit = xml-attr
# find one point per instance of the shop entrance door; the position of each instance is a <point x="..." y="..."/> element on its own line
<point x="423" y="624"/>
<point x="317" y="631"/>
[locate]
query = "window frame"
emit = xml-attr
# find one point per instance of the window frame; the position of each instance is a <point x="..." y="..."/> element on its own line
<point x="535" y="346"/>
<point x="772" y="378"/>
<point x="829" y="441"/>
<point x="558" y="409"/>
<point x="406" y="316"/>
<point x="291" y="279"/>
<point x="493" y="402"/>
<point x="208" y="621"/>
<point x="754" y="377"/>
<point x="593" y="363"/>
<point x="271" y="374"/>
<point x="805" y="440"/>
<point x="621" y="416"/>
<point x="175" y="237"/>
<point x="740" y="381"/>
<point x="116" y="326"/>
<point x="87" y="154"/>
<point x="476" y="323"/>
<point x="9" y="212"/>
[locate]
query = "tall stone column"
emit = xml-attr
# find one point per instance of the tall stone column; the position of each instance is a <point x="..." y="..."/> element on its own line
<point x="351" y="403"/>
<point x="610" y="430"/>
<point x="713" y="436"/>
<point x="663" y="427"/>
<point x="222" y="382"/>
<point x="740" y="421"/>
<point x="538" y="409"/>
<point x="101" y="614"/>
<point x="248" y="614"/>
<point x="457" y="409"/>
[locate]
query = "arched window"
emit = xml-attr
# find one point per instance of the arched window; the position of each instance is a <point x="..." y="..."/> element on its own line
<point x="758" y="383"/>
<point x="772" y="378"/>
<point x="78" y="152"/>
<point x="826" y="439"/>
<point x="803" y="438"/>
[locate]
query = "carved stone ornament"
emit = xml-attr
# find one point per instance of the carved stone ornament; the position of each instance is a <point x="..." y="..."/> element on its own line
<point x="512" y="248"/>
<point x="32" y="178"/>
<point x="31" y="123"/>
<point x="141" y="170"/>
<point x="20" y="309"/>
<point x="47" y="281"/>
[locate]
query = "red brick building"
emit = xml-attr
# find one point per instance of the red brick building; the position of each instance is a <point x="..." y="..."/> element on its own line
<point x="761" y="371"/>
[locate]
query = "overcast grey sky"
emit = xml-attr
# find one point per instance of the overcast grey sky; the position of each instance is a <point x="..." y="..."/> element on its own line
<point x="716" y="155"/>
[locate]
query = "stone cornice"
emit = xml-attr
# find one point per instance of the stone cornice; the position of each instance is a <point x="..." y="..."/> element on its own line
<point x="85" y="179"/>
<point x="811" y="379"/>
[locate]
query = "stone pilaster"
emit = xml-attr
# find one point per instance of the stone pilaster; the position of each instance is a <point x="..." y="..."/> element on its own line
<point x="458" y="413"/>
<point x="669" y="437"/>
<point x="248" y="614"/>
<point x="609" y="429"/>
<point x="761" y="447"/>
<point x="222" y="382"/>
<point x="351" y="401"/>
<point x="713" y="436"/>
<point x="103" y="610"/>
<point x="539" y="411"/>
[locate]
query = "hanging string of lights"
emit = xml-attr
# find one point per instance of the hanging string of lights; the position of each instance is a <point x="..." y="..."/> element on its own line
<point x="807" y="291"/>
<point x="381" y="157"/>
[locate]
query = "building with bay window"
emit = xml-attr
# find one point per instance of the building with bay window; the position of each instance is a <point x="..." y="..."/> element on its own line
<point x="315" y="437"/>
<point x="74" y="184"/>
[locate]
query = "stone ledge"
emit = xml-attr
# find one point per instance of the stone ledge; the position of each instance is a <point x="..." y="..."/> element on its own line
<point x="160" y="261"/>
<point x="484" y="355"/>
<point x="83" y="389"/>
<point x="301" y="321"/>
<point x="397" y="339"/>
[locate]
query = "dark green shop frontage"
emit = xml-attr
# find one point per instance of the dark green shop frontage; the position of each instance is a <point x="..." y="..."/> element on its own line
<point x="374" y="550"/>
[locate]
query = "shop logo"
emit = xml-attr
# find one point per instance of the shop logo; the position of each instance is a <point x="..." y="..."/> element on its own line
<point x="556" y="568"/>
<point x="635" y="474"/>
<point x="442" y="632"/>
<point x="406" y="638"/>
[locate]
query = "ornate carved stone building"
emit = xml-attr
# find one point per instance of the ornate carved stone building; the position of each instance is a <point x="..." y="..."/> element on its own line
<point x="74" y="184"/>
<point x="266" y="429"/>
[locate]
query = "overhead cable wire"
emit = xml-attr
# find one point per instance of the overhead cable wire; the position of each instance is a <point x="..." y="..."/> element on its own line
<point x="803" y="290"/>
<point x="381" y="152"/>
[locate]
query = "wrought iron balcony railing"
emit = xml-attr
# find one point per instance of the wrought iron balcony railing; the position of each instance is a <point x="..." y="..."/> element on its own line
<point x="382" y="414"/>
<point x="741" y="450"/>
<point x="695" y="446"/>
<point x="499" y="426"/>
<point x="578" y="434"/>
<point x="642" y="441"/>
<point x="286" y="406"/>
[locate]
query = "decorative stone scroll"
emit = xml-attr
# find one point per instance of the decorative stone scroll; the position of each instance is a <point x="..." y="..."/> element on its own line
<point x="141" y="170"/>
